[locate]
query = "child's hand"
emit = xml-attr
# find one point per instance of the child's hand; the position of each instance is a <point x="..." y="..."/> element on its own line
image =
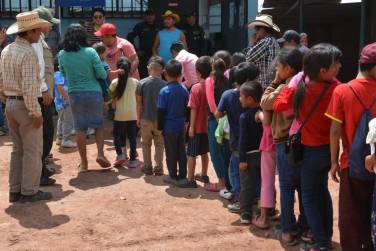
<point x="243" y="166"/>
<point x="370" y="161"/>
<point x="259" y="116"/>
<point x="191" y="132"/>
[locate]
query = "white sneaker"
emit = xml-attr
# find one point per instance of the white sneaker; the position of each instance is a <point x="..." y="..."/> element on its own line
<point x="68" y="144"/>
<point x="58" y="141"/>
<point x="224" y="193"/>
<point x="90" y="131"/>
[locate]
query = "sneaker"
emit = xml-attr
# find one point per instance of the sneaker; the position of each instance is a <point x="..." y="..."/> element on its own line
<point x="168" y="180"/>
<point x="120" y="160"/>
<point x="14" y="197"/>
<point x="202" y="178"/>
<point x="45" y="181"/>
<point x="58" y="141"/>
<point x="2" y="133"/>
<point x="245" y="218"/>
<point x="184" y="183"/>
<point x="68" y="144"/>
<point x="148" y="170"/>
<point x="313" y="247"/>
<point x="234" y="207"/>
<point x="36" y="197"/>
<point x="90" y="131"/>
<point x="224" y="193"/>
<point x="134" y="163"/>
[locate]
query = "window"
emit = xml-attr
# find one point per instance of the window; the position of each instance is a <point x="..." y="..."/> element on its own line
<point x="113" y="8"/>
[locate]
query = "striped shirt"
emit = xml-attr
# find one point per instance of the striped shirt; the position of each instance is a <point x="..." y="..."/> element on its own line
<point x="262" y="55"/>
<point x="19" y="74"/>
<point x="92" y="38"/>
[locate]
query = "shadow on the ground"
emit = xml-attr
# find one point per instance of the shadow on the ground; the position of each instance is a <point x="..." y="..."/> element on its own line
<point x="192" y="193"/>
<point x="103" y="177"/>
<point x="38" y="215"/>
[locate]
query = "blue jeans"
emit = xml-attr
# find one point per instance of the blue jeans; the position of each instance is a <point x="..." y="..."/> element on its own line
<point x="1" y="115"/>
<point x="315" y="193"/>
<point x="289" y="182"/>
<point x="226" y="152"/>
<point x="215" y="150"/>
<point x="234" y="174"/>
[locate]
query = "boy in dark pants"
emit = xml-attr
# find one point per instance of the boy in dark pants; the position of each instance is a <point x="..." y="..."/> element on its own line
<point x="172" y="113"/>
<point x="250" y="133"/>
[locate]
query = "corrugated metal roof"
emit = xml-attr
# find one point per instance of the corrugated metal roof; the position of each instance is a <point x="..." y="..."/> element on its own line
<point x="284" y="3"/>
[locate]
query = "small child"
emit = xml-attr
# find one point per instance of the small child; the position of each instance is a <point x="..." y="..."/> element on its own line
<point x="172" y="114"/>
<point x="250" y="133"/>
<point x="198" y="143"/>
<point x="147" y="98"/>
<point x="65" y="117"/>
<point x="123" y="91"/>
<point x="230" y="105"/>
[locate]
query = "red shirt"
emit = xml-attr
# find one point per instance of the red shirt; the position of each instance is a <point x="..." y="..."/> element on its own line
<point x="316" y="132"/>
<point x="197" y="100"/>
<point x="346" y="109"/>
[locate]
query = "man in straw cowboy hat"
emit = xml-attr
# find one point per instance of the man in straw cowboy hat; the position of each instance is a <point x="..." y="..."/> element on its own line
<point x="265" y="47"/>
<point x="46" y="64"/>
<point x="20" y="85"/>
<point x="167" y="36"/>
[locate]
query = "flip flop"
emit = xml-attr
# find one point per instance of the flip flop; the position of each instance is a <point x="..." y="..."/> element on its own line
<point x="211" y="187"/>
<point x="119" y="163"/>
<point x="103" y="162"/>
<point x="258" y="224"/>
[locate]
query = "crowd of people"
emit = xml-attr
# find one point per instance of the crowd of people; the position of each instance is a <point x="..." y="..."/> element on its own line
<point x="275" y="107"/>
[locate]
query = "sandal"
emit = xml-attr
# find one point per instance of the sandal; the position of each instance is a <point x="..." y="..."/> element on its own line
<point x="202" y="178"/>
<point x="103" y="162"/>
<point x="279" y="236"/>
<point x="257" y="222"/>
<point x="82" y="168"/>
<point x="213" y="187"/>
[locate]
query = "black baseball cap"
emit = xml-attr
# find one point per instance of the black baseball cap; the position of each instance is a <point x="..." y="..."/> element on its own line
<point x="190" y="14"/>
<point x="288" y="36"/>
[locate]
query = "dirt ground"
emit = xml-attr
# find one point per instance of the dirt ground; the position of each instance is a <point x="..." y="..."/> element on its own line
<point x="121" y="209"/>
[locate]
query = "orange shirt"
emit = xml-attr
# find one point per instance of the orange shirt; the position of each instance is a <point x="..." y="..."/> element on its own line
<point x="347" y="110"/>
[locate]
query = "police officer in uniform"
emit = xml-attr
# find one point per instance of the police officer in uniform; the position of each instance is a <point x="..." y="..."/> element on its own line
<point x="146" y="32"/>
<point x="194" y="34"/>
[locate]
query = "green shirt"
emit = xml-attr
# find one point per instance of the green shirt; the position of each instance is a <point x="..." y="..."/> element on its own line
<point x="82" y="69"/>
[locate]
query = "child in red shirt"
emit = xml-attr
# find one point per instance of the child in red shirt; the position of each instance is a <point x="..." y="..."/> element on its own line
<point x="198" y="144"/>
<point x="321" y="64"/>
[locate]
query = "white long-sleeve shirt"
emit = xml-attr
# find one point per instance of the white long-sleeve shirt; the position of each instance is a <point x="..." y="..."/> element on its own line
<point x="38" y="48"/>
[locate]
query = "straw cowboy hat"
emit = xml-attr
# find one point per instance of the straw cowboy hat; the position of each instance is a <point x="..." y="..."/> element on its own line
<point x="265" y="21"/>
<point x="171" y="14"/>
<point x="27" y="21"/>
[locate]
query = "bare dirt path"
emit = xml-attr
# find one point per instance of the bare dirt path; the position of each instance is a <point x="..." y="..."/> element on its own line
<point x="121" y="209"/>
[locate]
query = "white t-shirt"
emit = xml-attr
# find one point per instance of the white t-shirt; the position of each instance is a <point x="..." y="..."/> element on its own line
<point x="371" y="138"/>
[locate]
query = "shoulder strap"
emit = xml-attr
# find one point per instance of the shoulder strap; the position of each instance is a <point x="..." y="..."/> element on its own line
<point x="359" y="100"/>
<point x="315" y="105"/>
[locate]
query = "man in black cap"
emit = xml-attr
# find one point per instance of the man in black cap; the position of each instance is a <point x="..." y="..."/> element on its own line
<point x="194" y="34"/>
<point x="291" y="39"/>
<point x="146" y="32"/>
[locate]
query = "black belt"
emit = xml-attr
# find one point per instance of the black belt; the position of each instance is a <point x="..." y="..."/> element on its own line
<point x="15" y="97"/>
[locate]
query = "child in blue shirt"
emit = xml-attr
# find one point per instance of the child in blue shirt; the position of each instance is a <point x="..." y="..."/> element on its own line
<point x="65" y="117"/>
<point x="171" y="117"/>
<point x="230" y="105"/>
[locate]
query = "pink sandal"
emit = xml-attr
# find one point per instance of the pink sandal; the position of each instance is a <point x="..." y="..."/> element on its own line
<point x="211" y="187"/>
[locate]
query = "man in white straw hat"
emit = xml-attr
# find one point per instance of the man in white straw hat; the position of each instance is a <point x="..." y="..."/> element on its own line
<point x="20" y="85"/>
<point x="45" y="60"/>
<point x="265" y="47"/>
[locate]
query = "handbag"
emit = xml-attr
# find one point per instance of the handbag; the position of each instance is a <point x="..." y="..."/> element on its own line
<point x="294" y="148"/>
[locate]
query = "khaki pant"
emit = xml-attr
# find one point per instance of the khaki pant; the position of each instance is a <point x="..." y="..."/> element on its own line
<point x="149" y="132"/>
<point x="26" y="157"/>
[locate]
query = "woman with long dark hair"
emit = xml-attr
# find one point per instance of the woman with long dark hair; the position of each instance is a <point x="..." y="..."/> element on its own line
<point x="82" y="67"/>
<point x="92" y="26"/>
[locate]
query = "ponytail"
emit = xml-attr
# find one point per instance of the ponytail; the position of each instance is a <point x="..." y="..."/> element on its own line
<point x="124" y="64"/>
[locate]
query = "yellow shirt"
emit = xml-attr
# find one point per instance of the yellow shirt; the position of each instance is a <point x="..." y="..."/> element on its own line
<point x="126" y="105"/>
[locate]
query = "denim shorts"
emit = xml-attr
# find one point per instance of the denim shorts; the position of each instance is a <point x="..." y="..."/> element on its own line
<point x="87" y="110"/>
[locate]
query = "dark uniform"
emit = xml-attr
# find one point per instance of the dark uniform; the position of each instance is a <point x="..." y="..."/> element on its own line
<point x="195" y="37"/>
<point x="146" y="34"/>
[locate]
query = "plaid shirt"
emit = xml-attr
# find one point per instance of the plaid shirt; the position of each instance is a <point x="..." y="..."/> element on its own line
<point x="19" y="74"/>
<point x="262" y="55"/>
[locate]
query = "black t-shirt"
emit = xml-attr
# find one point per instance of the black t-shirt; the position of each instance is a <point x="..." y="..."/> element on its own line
<point x="195" y="38"/>
<point x="146" y="34"/>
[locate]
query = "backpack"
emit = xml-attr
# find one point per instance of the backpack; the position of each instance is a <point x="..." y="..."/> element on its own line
<point x="359" y="148"/>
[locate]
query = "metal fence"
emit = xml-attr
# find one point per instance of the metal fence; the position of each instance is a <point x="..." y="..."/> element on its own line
<point x="113" y="8"/>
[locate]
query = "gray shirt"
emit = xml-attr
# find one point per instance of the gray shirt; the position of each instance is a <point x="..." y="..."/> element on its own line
<point x="148" y="89"/>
